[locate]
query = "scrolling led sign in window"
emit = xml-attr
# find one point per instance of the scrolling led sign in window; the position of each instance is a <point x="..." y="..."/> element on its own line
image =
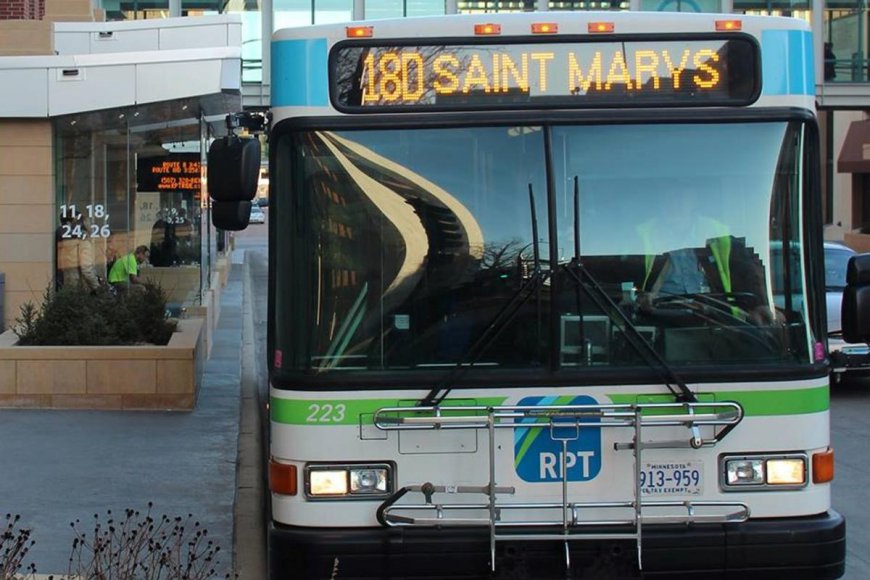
<point x="176" y="172"/>
<point x="709" y="71"/>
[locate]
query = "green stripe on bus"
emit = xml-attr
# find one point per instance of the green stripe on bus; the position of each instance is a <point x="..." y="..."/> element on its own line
<point x="356" y="411"/>
<point x="755" y="403"/>
<point x="350" y="411"/>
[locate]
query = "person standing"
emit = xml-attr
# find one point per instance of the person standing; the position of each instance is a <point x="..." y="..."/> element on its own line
<point x="830" y="62"/>
<point x="75" y="255"/>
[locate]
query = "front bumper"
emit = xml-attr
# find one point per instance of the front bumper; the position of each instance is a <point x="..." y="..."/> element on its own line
<point x="806" y="547"/>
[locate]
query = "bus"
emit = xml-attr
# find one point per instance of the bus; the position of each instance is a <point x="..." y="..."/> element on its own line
<point x="546" y="298"/>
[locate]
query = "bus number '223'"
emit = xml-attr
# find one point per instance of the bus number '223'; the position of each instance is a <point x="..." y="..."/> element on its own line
<point x="407" y="75"/>
<point x="326" y="413"/>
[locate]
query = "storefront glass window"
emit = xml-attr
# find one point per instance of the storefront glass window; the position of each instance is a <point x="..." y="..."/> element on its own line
<point x="329" y="11"/>
<point x="424" y="7"/>
<point x="493" y="6"/>
<point x="846" y="41"/>
<point x="252" y="37"/>
<point x="291" y="13"/>
<point x="385" y="9"/>
<point x="135" y="9"/>
<point x="681" y="5"/>
<point x="576" y="5"/>
<point x="127" y="182"/>
<point x="775" y="7"/>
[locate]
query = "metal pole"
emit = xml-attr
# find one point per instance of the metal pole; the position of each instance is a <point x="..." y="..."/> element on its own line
<point x="267" y="26"/>
<point x="817" y="25"/>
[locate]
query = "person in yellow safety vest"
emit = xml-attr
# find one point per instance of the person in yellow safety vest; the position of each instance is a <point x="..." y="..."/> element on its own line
<point x="684" y="271"/>
<point x="711" y="262"/>
<point x="125" y="271"/>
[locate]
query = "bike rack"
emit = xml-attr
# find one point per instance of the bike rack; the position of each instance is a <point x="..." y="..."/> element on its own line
<point x="715" y="420"/>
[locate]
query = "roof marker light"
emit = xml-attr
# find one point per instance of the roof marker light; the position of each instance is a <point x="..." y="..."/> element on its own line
<point x="545" y="28"/>
<point x="360" y="31"/>
<point x="599" y="27"/>
<point x="728" y="25"/>
<point x="487" y="29"/>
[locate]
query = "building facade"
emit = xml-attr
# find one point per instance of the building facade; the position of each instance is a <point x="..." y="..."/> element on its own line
<point x="105" y="125"/>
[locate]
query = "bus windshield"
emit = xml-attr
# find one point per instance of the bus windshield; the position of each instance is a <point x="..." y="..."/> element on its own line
<point x="415" y="249"/>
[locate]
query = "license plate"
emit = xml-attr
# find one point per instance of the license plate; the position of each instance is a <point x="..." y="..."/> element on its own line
<point x="671" y="478"/>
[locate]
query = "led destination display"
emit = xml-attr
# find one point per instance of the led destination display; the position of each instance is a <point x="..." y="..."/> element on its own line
<point x="612" y="73"/>
<point x="175" y="172"/>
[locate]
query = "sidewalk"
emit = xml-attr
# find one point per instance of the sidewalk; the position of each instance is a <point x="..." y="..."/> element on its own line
<point x="60" y="466"/>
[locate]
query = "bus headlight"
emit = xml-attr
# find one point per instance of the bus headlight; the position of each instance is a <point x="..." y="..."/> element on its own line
<point x="763" y="472"/>
<point x="348" y="481"/>
<point x="368" y="480"/>
<point x="786" y="471"/>
<point x="744" y="471"/>
<point x="327" y="482"/>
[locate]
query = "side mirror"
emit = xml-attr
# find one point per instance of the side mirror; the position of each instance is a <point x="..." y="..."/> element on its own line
<point x="855" y="311"/>
<point x="233" y="169"/>
<point x="231" y="215"/>
<point x="233" y="172"/>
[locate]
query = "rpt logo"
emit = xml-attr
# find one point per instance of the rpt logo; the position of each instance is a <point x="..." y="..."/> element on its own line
<point x="538" y="455"/>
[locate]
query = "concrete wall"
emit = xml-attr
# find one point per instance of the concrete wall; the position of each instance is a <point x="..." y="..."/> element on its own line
<point x="26" y="38"/>
<point x="117" y="377"/>
<point x="68" y="10"/>
<point x="26" y="212"/>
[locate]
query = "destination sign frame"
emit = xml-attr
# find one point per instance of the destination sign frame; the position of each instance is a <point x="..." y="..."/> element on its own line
<point x="544" y="73"/>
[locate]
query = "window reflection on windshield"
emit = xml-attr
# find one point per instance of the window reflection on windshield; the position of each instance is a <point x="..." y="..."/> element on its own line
<point x="416" y="248"/>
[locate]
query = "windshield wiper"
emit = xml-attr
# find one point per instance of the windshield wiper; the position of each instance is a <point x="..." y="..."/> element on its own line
<point x="605" y="304"/>
<point x="499" y="322"/>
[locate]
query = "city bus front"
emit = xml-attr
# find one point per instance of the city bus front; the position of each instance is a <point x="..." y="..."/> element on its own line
<point x="538" y="342"/>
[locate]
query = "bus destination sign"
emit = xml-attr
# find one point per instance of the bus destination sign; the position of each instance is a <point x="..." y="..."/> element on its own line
<point x="641" y="73"/>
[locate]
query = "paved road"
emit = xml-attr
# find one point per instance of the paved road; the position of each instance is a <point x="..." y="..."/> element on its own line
<point x="850" y="436"/>
<point x="250" y="538"/>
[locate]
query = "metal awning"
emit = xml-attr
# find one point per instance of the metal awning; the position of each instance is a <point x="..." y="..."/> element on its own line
<point x="855" y="154"/>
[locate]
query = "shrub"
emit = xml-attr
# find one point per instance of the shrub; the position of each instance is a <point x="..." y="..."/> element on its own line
<point x="15" y="542"/>
<point x="147" y="311"/>
<point x="75" y="315"/>
<point x="142" y="546"/>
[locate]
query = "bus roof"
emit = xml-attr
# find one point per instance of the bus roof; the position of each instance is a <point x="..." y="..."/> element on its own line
<point x="570" y="23"/>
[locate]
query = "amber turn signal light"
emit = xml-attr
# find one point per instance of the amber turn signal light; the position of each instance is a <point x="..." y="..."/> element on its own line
<point x="282" y="478"/>
<point x="823" y="466"/>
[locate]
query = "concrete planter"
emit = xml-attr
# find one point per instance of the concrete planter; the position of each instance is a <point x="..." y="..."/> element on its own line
<point x="104" y="377"/>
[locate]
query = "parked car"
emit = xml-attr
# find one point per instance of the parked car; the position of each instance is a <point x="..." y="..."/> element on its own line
<point x="257" y="215"/>
<point x="845" y="357"/>
<point x="263" y="201"/>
